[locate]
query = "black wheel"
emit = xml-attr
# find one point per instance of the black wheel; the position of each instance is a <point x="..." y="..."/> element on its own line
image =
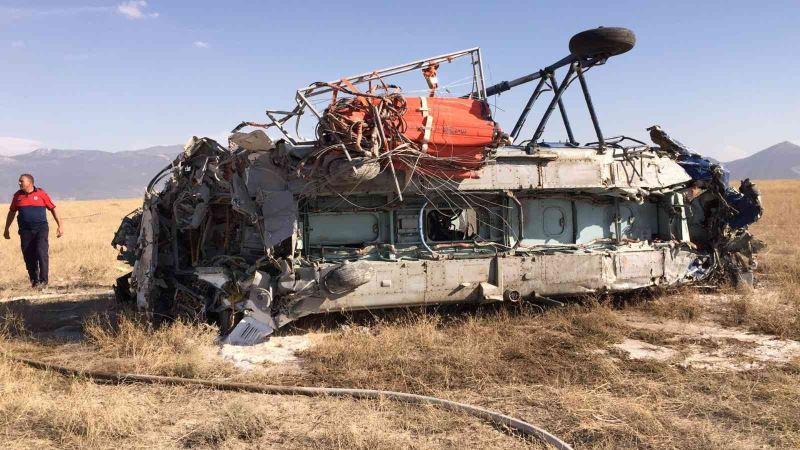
<point x="602" y="42"/>
<point x="347" y="277"/>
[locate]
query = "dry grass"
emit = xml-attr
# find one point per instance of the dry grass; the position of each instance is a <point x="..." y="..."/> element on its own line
<point x="43" y="410"/>
<point x="180" y="349"/>
<point x="556" y="369"/>
<point x="681" y="304"/>
<point x="83" y="257"/>
<point x="552" y="370"/>
<point x="776" y="309"/>
<point x="419" y="353"/>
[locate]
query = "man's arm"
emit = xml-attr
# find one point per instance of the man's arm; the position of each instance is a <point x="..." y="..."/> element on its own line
<point x="9" y="219"/>
<point x="60" y="230"/>
<point x="52" y="207"/>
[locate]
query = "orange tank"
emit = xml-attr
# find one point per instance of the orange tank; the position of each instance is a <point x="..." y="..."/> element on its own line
<point x="456" y="128"/>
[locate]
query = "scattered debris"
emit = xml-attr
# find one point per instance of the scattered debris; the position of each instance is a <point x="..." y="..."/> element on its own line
<point x="416" y="197"/>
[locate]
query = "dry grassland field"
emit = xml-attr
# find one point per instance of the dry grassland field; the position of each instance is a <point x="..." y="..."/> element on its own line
<point x="685" y="369"/>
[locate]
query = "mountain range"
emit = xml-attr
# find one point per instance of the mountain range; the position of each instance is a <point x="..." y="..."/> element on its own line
<point x="95" y="174"/>
<point x="87" y="174"/>
<point x="779" y="161"/>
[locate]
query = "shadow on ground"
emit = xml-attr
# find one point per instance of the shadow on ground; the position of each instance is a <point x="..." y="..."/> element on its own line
<point x="57" y="319"/>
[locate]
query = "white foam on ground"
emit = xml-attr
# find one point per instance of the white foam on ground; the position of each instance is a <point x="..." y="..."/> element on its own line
<point x="277" y="350"/>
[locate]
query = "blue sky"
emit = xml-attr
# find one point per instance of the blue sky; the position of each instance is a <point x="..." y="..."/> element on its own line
<point x="119" y="75"/>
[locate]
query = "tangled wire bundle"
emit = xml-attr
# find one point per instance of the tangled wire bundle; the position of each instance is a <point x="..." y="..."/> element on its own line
<point x="371" y="127"/>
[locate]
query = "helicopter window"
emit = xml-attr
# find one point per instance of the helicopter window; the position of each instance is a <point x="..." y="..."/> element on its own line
<point x="343" y="228"/>
<point x="553" y="221"/>
<point x="451" y="225"/>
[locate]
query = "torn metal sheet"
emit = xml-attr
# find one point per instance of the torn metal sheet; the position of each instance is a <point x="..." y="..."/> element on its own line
<point x="405" y="200"/>
<point x="279" y="213"/>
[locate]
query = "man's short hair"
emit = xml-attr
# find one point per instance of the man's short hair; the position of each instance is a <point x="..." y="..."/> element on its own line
<point x="28" y="176"/>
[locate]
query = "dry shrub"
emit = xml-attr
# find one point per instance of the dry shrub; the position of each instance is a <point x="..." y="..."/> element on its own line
<point x="420" y="353"/>
<point x="12" y="325"/>
<point x="779" y="263"/>
<point x="345" y="424"/>
<point x="352" y="437"/>
<point x="66" y="413"/>
<point x="653" y="404"/>
<point x="237" y="420"/>
<point x="177" y="349"/>
<point x="682" y="305"/>
<point x="770" y="314"/>
<point x="739" y="310"/>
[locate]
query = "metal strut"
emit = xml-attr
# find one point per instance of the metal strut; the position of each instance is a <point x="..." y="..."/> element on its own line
<point x="528" y="106"/>
<point x="590" y="106"/>
<point x="558" y="93"/>
<point x="562" y="109"/>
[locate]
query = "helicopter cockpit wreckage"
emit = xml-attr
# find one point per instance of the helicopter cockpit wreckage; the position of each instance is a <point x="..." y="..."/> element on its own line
<point x="419" y="197"/>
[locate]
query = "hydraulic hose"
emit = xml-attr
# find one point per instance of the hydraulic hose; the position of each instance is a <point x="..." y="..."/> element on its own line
<point x="493" y="417"/>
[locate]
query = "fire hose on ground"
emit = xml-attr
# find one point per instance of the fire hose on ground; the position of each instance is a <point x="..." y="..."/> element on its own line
<point x="493" y="417"/>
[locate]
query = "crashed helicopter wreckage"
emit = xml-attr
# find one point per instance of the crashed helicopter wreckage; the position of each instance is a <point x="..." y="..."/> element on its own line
<point x="406" y="200"/>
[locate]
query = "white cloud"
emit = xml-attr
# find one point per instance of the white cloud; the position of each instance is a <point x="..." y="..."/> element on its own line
<point x="17" y="44"/>
<point x="26" y="13"/>
<point x="200" y="44"/>
<point x="135" y="9"/>
<point x="16" y="146"/>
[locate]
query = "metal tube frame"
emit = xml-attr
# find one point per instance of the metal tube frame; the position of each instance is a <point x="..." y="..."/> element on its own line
<point x="303" y="95"/>
<point x="562" y="109"/>
<point x="579" y="66"/>
<point x="576" y="67"/>
<point x="546" y="117"/>
<point x="506" y="85"/>
<point x="590" y="107"/>
<point x="313" y="91"/>
<point x="521" y="120"/>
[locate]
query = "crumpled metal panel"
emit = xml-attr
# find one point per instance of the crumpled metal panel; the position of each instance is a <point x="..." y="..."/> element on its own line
<point x="256" y="140"/>
<point x="279" y="212"/>
<point x="241" y="201"/>
<point x="144" y="268"/>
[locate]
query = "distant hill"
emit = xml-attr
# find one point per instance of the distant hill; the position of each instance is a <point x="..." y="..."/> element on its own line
<point x="87" y="174"/>
<point x="776" y="162"/>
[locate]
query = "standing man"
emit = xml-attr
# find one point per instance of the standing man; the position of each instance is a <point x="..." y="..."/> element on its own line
<point x="30" y="202"/>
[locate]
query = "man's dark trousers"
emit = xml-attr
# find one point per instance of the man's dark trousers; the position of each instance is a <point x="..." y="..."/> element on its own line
<point x="35" y="252"/>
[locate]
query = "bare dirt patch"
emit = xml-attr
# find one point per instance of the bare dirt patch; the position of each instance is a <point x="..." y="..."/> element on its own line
<point x="707" y="345"/>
